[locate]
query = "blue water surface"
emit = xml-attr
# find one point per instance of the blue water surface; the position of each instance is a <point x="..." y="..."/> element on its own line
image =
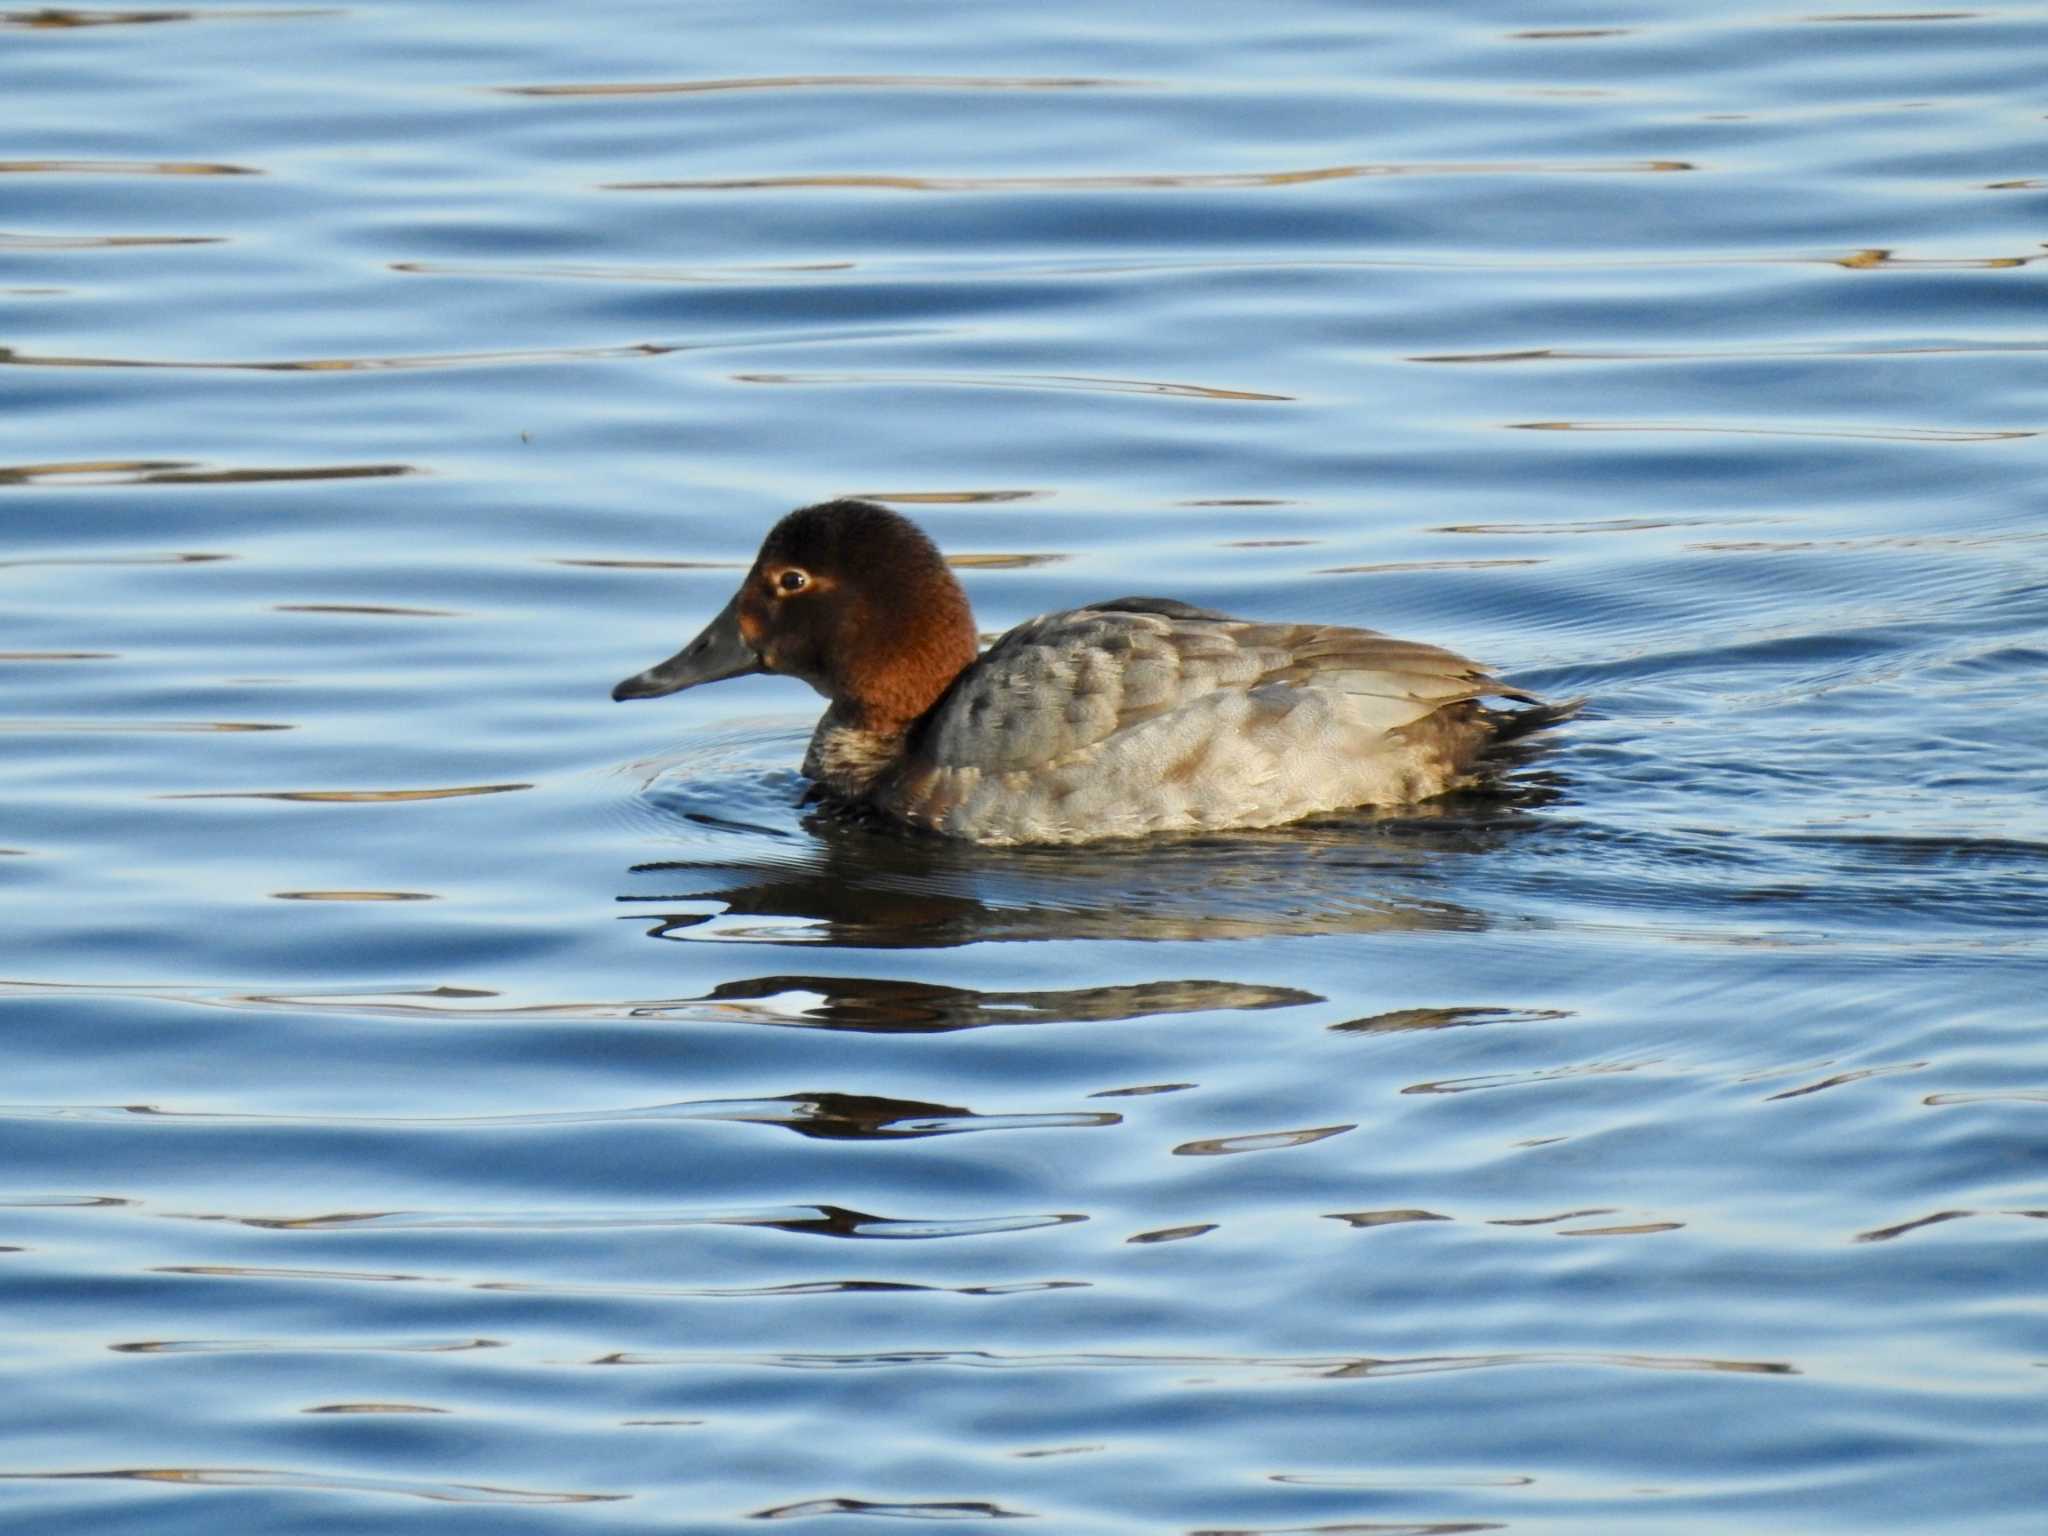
<point x="425" y="1085"/>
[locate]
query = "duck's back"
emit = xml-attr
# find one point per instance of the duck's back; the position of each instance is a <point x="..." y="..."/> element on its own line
<point x="1146" y="715"/>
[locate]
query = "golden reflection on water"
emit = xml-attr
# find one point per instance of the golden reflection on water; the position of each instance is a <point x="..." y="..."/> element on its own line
<point x="280" y="1272"/>
<point x="1403" y="1020"/>
<point x="1173" y="1234"/>
<point x="1842" y="1078"/>
<point x="354" y="896"/>
<point x="19" y="242"/>
<point x="104" y="472"/>
<point x="347" y="796"/>
<point x="1386" y="1218"/>
<point x="67" y="18"/>
<point x="993" y="561"/>
<point x="40" y="1202"/>
<point x="1145" y="1091"/>
<point x="1550" y="1221"/>
<point x="1938" y="1218"/>
<point x="1881" y="258"/>
<point x="85" y="471"/>
<point x="149" y="727"/>
<point x="122" y="168"/>
<point x="179" y="558"/>
<point x="373" y="610"/>
<point x="1886" y="1234"/>
<point x="947" y="498"/>
<point x="1263" y="1141"/>
<point x="1152" y="181"/>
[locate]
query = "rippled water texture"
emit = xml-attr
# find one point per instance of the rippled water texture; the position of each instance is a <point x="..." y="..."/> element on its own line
<point x="433" y="1097"/>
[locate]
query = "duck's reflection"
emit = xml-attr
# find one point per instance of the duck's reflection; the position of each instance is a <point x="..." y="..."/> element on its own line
<point x="832" y="1116"/>
<point x="852" y="884"/>
<point x="877" y="1005"/>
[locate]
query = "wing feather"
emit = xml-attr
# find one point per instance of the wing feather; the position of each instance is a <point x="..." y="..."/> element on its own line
<point x="1060" y="685"/>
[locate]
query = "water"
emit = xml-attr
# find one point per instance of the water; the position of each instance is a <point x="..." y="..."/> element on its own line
<point x="430" y="1086"/>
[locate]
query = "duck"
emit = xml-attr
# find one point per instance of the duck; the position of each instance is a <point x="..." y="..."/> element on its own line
<point x="1128" y="718"/>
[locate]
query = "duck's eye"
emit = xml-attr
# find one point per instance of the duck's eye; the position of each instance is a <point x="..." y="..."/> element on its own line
<point x="792" y="581"/>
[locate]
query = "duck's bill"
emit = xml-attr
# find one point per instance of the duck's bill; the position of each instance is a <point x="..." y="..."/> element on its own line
<point x="719" y="652"/>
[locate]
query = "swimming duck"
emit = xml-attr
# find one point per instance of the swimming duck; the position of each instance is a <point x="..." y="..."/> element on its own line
<point x="1118" y="719"/>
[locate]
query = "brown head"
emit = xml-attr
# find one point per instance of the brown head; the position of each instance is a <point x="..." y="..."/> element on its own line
<point x="851" y="598"/>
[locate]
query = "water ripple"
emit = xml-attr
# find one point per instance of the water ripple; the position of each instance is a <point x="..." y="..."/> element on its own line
<point x="1385" y="1218"/>
<point x="413" y="362"/>
<point x="1211" y="1370"/>
<point x="1153" y="181"/>
<point x="15" y="241"/>
<point x="348" y="796"/>
<point x="623" y="1289"/>
<point x="65" y="18"/>
<point x="1264" y="1141"/>
<point x="1938" y="1218"/>
<point x="123" y="168"/>
<point x="350" y="1345"/>
<point x="107" y="472"/>
<point x="824" y="82"/>
<point x="414" y="1135"/>
<point x="324" y="1482"/>
<point x="140" y="727"/>
<point x="942" y="1509"/>
<point x="1880" y="434"/>
<point x="1359" y="1528"/>
<point x="826" y="1115"/>
<point x="1017" y="381"/>
<point x="803" y="1220"/>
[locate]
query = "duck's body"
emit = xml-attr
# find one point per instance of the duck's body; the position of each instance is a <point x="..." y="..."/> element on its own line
<point x="1124" y="718"/>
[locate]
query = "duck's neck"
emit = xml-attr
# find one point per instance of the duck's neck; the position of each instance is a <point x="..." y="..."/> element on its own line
<point x="888" y="686"/>
<point x="850" y="752"/>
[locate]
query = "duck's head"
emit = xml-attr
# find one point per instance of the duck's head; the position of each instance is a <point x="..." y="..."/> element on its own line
<point x="851" y="598"/>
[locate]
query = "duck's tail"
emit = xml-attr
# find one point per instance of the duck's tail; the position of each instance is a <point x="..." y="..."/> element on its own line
<point x="1538" y="714"/>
